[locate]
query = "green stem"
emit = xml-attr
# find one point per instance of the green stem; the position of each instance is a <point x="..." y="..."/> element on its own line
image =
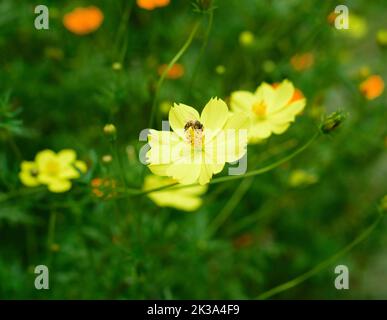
<point x="232" y="178"/>
<point x="116" y="155"/>
<point x="229" y="207"/>
<point x="166" y="70"/>
<point x="296" y="281"/>
<point x="202" y="49"/>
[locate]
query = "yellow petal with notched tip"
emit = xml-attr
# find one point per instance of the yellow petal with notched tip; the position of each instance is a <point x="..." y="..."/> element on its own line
<point x="179" y="115"/>
<point x="213" y="118"/>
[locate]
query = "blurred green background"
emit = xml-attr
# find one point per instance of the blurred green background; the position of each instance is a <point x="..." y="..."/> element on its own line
<point x="59" y="89"/>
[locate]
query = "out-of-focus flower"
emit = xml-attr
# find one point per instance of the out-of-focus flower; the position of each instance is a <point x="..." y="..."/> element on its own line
<point x="246" y="38"/>
<point x="332" y="17"/>
<point x="53" y="170"/>
<point x="116" y="66"/>
<point x="357" y="27"/>
<point x="372" y="87"/>
<point x="187" y="198"/>
<point x="271" y="109"/>
<point x="300" y="178"/>
<point x="381" y="37"/>
<point x="103" y="188"/>
<point x="110" y="131"/>
<point x="83" y="21"/>
<point x="107" y="158"/>
<point x="220" y="69"/>
<point x="301" y="62"/>
<point x="199" y="145"/>
<point x="176" y="71"/>
<point x="152" y="4"/>
<point x="297" y="95"/>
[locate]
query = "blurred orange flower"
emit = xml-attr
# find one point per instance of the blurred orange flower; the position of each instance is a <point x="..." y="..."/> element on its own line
<point x="372" y="87"/>
<point x="103" y="187"/>
<point x="82" y="21"/>
<point x="303" y="61"/>
<point x="152" y="4"/>
<point x="297" y="95"/>
<point x="175" y="72"/>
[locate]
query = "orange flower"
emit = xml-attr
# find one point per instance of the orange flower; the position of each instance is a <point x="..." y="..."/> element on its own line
<point x="332" y="17"/>
<point x="175" y="72"/>
<point x="297" y="95"/>
<point x="152" y="4"/>
<point x="303" y="61"/>
<point x="372" y="87"/>
<point x="82" y="21"/>
<point x="103" y="187"/>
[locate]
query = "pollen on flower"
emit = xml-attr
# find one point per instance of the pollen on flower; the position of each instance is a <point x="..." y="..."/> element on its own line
<point x="194" y="133"/>
<point x="259" y="108"/>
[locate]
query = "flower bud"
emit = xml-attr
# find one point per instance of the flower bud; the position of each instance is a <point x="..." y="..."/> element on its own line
<point x="110" y="131"/>
<point x="332" y="122"/>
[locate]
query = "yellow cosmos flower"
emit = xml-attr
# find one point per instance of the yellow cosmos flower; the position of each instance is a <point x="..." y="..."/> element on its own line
<point x="270" y="108"/>
<point x="53" y="170"/>
<point x="199" y="145"/>
<point x="187" y="199"/>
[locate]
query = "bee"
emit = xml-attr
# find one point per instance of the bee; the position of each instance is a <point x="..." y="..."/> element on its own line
<point x="194" y="124"/>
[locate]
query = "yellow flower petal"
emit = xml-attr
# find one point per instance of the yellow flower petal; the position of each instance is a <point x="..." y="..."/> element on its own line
<point x="184" y="172"/>
<point x="43" y="156"/>
<point x="187" y="199"/>
<point x="179" y="115"/>
<point x="67" y="156"/>
<point x="81" y="166"/>
<point x="242" y="101"/>
<point x="213" y="117"/>
<point x="59" y="185"/>
<point x="27" y="179"/>
<point x="283" y="94"/>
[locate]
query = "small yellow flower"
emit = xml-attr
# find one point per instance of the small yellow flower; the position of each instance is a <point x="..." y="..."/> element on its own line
<point x="357" y="27"/>
<point x="270" y="108"/>
<point x="299" y="178"/>
<point x="199" y="145"/>
<point x="246" y="38"/>
<point x="187" y="199"/>
<point x="381" y="37"/>
<point x="53" y="170"/>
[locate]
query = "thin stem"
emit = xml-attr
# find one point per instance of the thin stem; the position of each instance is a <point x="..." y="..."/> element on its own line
<point x="202" y="49"/>
<point x="296" y="281"/>
<point x="166" y="70"/>
<point x="229" y="207"/>
<point x="116" y="155"/>
<point x="232" y="178"/>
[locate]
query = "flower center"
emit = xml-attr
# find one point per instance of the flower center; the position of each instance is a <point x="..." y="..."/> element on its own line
<point x="259" y="108"/>
<point x="52" y="167"/>
<point x="34" y="173"/>
<point x="194" y="133"/>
